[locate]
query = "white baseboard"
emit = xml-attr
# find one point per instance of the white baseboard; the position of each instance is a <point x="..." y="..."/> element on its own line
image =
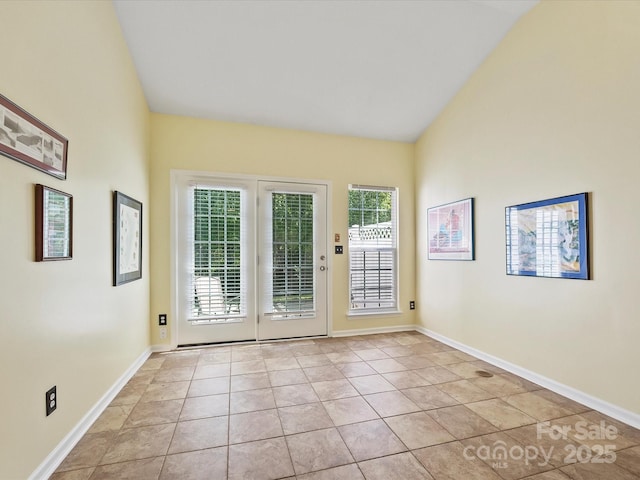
<point x="371" y="331"/>
<point x="161" y="348"/>
<point x="614" y="411"/>
<point x="59" y="453"/>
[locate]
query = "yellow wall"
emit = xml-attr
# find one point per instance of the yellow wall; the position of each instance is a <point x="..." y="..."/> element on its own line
<point x="202" y="145"/>
<point x="63" y="323"/>
<point x="553" y="111"/>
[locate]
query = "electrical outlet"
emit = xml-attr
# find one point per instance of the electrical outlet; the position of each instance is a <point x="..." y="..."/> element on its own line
<point x="163" y="333"/>
<point x="162" y="319"/>
<point x="51" y="400"/>
<point x="412" y="305"/>
<point x="339" y="250"/>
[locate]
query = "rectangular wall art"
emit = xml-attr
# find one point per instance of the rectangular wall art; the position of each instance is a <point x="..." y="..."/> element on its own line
<point x="54" y="224"/>
<point x="127" y="239"/>
<point x="26" y="139"/>
<point x="450" y="231"/>
<point x="548" y="238"/>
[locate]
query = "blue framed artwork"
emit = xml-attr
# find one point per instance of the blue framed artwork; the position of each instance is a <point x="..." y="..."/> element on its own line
<point x="548" y="238"/>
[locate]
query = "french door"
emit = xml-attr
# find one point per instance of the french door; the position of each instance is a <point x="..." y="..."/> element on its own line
<point x="250" y="259"/>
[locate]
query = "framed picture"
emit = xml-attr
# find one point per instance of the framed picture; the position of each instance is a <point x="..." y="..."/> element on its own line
<point x="548" y="238"/>
<point x="54" y="224"/>
<point x="26" y="139"/>
<point x="450" y="231"/>
<point x="127" y="239"/>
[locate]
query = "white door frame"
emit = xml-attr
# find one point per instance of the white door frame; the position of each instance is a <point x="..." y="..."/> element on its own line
<point x="178" y="176"/>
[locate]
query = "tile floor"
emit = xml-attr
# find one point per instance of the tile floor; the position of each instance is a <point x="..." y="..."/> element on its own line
<point x="389" y="406"/>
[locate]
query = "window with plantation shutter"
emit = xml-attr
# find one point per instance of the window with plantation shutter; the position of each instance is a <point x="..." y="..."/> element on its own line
<point x="373" y="253"/>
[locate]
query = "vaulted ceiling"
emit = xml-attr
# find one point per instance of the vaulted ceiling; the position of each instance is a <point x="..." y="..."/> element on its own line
<point x="375" y="69"/>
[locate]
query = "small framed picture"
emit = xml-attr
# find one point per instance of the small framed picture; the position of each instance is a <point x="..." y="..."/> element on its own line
<point x="548" y="238"/>
<point x="450" y="231"/>
<point x="26" y="139"/>
<point x="127" y="239"/>
<point x="54" y="224"/>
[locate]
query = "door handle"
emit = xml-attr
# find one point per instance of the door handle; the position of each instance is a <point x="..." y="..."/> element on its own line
<point x="322" y="257"/>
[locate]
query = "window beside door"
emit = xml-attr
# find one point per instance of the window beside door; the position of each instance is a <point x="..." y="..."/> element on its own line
<point x="373" y="252"/>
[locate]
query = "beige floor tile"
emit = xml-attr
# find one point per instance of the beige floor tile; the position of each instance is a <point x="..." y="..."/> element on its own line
<point x="597" y="471"/>
<point x="212" y="371"/>
<point x="550" y="475"/>
<point x="289" y="395"/>
<point x="249" y="381"/>
<point x="200" y="434"/>
<point x="181" y="359"/>
<point x="387" y="404"/>
<point x="304" y="418"/>
<point x="261" y="460"/>
<point x="281" y="363"/>
<point x="343" y="357"/>
<point x="179" y="374"/>
<point x="445" y="358"/>
<point x="386" y="365"/>
<point x="584" y="431"/>
<point x="345" y="472"/>
<point x="152" y="363"/>
<point x="247" y="427"/>
<point x="208" y="386"/>
<point x="81" y="474"/>
<point x="199" y="465"/>
<point x="371" y="384"/>
<point x="88" y="451"/>
<point x="371" y="354"/>
<point x="429" y="397"/>
<point x="407" y="379"/>
<point x="500" y="414"/>
<point x="489" y="448"/>
<point x="287" y="377"/>
<point x="415" y="362"/>
<point x="461" y="422"/>
<point x="250" y="353"/>
<point x="355" y="369"/>
<point x="139" y="443"/>
<point x="526" y="384"/>
<point x="157" y="392"/>
<point x="449" y="462"/>
<point x="464" y="391"/>
<point x="145" y="469"/>
<point x="334" y="389"/>
<point x="401" y="466"/>
<point x="251" y="400"/>
<point x="418" y="430"/>
<point x="555" y="448"/>
<point x="250" y="366"/>
<point x="111" y="419"/>
<point x="630" y="434"/>
<point x="210" y="357"/>
<point x="305" y="350"/>
<point x="629" y="459"/>
<point x="498" y="385"/>
<point x="371" y="439"/>
<point x="130" y="394"/>
<point x="142" y="376"/>
<point x="324" y="373"/>
<point x="564" y="402"/>
<point x="464" y="369"/>
<point x="435" y="375"/>
<point x="203" y="407"/>
<point x="536" y="406"/>
<point x="154" y="413"/>
<point x="317" y="450"/>
<point x="349" y="410"/>
<point x="397" y="351"/>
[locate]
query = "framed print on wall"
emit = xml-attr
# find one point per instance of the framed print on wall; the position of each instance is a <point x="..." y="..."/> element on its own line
<point x="26" y="139"/>
<point x="54" y="224"/>
<point x="127" y="239"/>
<point x="548" y="238"/>
<point x="450" y="231"/>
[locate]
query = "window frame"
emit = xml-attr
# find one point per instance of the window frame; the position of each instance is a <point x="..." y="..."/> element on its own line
<point x="394" y="248"/>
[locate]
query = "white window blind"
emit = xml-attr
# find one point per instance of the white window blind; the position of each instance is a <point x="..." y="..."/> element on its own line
<point x="290" y="273"/>
<point x="216" y="286"/>
<point x="372" y="248"/>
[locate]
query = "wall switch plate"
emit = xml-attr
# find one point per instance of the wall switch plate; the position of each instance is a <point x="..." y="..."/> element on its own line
<point x="51" y="400"/>
<point x="412" y="305"/>
<point x="162" y="319"/>
<point x="339" y="250"/>
<point x="163" y="333"/>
